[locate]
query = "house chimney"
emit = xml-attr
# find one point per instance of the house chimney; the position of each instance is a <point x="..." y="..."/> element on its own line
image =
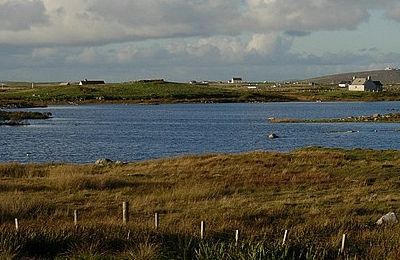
<point x="369" y="78"/>
<point x="354" y="77"/>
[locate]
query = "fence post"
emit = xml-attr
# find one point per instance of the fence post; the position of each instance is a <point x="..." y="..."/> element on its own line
<point x="75" y="218"/>
<point x="343" y="244"/>
<point x="285" y="237"/>
<point x="236" y="237"/>
<point x="202" y="230"/>
<point x="156" y="220"/>
<point x="16" y="224"/>
<point x="125" y="212"/>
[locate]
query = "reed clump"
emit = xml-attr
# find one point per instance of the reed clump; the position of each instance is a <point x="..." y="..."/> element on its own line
<point x="317" y="194"/>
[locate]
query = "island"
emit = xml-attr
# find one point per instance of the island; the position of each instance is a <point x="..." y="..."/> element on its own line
<point x="13" y="118"/>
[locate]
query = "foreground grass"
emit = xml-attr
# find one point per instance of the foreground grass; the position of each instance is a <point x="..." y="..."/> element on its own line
<point x="318" y="194"/>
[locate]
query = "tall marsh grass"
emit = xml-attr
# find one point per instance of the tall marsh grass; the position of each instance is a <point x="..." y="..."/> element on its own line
<point x="317" y="194"/>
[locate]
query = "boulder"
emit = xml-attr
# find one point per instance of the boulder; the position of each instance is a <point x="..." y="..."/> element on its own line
<point x="119" y="163"/>
<point x="389" y="218"/>
<point x="104" y="161"/>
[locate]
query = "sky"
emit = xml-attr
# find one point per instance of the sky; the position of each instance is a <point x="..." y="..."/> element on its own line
<point x="183" y="40"/>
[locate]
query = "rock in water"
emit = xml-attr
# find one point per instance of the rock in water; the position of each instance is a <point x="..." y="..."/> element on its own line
<point x="389" y="218"/>
<point x="272" y="136"/>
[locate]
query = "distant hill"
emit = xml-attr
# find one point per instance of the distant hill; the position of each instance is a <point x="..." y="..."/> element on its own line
<point x="385" y="76"/>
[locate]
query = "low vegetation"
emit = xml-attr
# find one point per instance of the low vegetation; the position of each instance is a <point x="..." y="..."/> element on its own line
<point x="317" y="194"/>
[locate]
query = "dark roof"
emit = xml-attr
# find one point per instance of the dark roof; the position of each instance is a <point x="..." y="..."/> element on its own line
<point x="92" y="82"/>
<point x="345" y="82"/>
<point x="378" y="83"/>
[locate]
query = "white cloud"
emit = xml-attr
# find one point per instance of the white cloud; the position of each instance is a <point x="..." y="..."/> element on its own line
<point x="268" y="43"/>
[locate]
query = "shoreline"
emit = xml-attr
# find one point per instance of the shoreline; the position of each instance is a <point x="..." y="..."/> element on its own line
<point x="377" y="118"/>
<point x="116" y="162"/>
<point x="17" y="105"/>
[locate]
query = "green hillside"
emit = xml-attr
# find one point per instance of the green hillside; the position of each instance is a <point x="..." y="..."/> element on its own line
<point x="385" y="76"/>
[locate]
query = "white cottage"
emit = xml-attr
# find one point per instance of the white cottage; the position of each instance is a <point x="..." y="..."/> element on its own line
<point x="236" y="81"/>
<point x="365" y="84"/>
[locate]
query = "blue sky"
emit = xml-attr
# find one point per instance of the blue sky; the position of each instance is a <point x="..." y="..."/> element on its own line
<point x="182" y="40"/>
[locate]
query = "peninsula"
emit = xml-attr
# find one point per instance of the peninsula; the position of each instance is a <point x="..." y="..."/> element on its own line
<point x="378" y="118"/>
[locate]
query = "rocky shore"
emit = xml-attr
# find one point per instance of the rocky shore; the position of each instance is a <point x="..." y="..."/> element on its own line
<point x="387" y="118"/>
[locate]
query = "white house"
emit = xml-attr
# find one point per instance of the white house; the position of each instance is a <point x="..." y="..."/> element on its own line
<point x="365" y="84"/>
<point x="236" y="81"/>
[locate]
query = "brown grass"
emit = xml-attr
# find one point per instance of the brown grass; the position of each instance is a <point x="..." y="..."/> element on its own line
<point x="318" y="194"/>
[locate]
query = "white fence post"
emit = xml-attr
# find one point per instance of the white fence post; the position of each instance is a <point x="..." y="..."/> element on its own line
<point x="236" y="237"/>
<point x="156" y="220"/>
<point x="125" y="212"/>
<point x="16" y="224"/>
<point x="202" y="230"/>
<point x="343" y="244"/>
<point x="75" y="218"/>
<point x="284" y="237"/>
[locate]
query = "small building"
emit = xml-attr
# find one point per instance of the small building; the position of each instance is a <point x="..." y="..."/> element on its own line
<point x="236" y="81"/>
<point x="91" y="82"/>
<point x="64" y="84"/>
<point x="344" y="84"/>
<point x="365" y="84"/>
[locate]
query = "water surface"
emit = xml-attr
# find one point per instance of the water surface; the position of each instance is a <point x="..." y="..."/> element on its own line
<point x="136" y="132"/>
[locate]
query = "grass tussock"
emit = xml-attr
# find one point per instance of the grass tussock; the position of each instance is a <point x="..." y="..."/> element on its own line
<point x="15" y="170"/>
<point x="317" y="194"/>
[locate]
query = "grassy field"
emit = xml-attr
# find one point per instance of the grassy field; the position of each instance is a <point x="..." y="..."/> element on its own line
<point x="164" y="92"/>
<point x="317" y="194"/>
<point x="135" y="92"/>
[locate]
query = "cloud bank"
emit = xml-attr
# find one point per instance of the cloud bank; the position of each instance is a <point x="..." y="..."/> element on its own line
<point x="236" y="35"/>
<point x="80" y="22"/>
